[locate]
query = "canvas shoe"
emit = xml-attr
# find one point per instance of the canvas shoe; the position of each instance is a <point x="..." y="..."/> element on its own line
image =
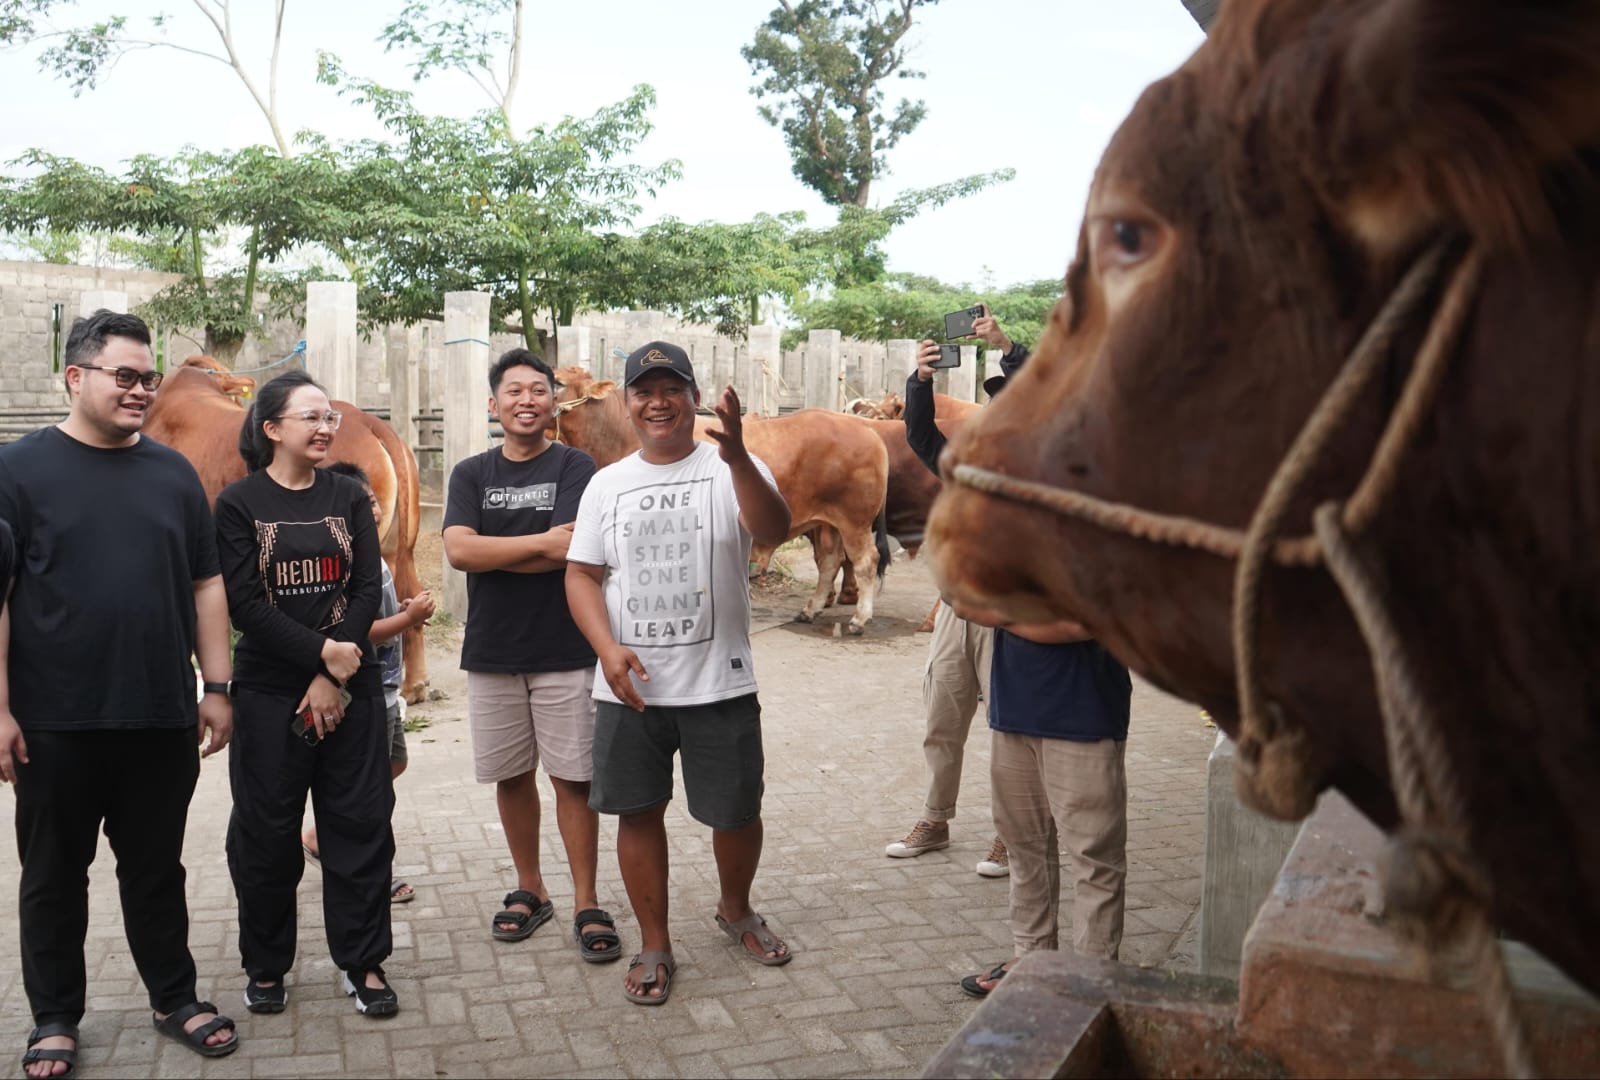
<point x="996" y="863"/>
<point x="924" y="836"/>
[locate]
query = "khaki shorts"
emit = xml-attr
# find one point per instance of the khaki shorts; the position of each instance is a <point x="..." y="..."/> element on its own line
<point x="519" y="720"/>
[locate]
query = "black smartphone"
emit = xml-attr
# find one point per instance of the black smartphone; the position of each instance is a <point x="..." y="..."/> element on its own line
<point x="959" y="323"/>
<point x="305" y="726"/>
<point x="949" y="357"/>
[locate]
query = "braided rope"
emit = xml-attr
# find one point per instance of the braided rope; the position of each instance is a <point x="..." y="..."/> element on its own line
<point x="1256" y="724"/>
<point x="1431" y="881"/>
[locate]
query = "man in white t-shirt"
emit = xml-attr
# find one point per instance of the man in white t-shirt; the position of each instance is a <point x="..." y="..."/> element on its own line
<point x="657" y="582"/>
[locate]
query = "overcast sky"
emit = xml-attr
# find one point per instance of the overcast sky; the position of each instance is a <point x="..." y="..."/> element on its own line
<point x="1036" y="85"/>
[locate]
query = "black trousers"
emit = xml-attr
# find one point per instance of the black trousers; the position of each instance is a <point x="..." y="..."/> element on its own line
<point x="139" y="784"/>
<point x="352" y="793"/>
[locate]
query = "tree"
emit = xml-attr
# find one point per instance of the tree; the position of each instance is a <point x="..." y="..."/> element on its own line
<point x="908" y="306"/>
<point x="84" y="54"/>
<point x="460" y="35"/>
<point x="173" y="213"/>
<point x="462" y="204"/>
<point x="825" y="64"/>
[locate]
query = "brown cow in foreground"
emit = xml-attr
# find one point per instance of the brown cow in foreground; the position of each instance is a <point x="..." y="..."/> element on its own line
<point x="831" y="470"/>
<point x="197" y="412"/>
<point x="1247" y="221"/>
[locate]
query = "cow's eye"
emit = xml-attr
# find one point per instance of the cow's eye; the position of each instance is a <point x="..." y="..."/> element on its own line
<point x="1129" y="236"/>
<point x="1122" y="241"/>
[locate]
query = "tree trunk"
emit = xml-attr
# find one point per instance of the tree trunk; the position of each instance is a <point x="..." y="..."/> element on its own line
<point x="224" y="350"/>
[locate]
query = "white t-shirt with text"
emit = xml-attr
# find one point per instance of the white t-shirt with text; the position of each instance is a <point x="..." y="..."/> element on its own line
<point x="676" y="583"/>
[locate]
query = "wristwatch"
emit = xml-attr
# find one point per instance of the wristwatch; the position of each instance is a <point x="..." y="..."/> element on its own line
<point x="223" y="688"/>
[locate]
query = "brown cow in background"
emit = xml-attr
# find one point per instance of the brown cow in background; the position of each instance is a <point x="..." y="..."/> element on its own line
<point x="1246" y="223"/>
<point x="198" y="413"/>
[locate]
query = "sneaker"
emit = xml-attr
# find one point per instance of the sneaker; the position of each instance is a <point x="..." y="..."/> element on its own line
<point x="370" y="1002"/>
<point x="996" y="863"/>
<point x="924" y="836"/>
<point x="266" y="999"/>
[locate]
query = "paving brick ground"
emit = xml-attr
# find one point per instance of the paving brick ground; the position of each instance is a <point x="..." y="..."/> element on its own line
<point x="880" y="943"/>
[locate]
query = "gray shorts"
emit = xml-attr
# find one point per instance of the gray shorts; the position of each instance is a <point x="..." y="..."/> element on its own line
<point x="397" y="732"/>
<point x="720" y="746"/>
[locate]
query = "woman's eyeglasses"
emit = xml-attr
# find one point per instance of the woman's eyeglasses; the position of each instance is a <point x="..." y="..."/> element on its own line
<point x="316" y="419"/>
<point x="127" y="376"/>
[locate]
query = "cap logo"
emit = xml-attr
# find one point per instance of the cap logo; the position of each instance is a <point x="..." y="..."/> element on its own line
<point x="655" y="356"/>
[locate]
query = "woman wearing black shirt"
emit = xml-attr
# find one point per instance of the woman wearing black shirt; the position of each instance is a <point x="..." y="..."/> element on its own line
<point x="299" y="552"/>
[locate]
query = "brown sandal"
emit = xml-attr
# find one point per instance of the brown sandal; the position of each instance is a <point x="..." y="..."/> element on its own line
<point x="756" y="926"/>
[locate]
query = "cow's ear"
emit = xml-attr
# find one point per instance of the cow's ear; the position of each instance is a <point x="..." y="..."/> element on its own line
<point x="601" y="390"/>
<point x="1462" y="114"/>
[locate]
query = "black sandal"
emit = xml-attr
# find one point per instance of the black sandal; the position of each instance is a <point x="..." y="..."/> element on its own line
<point x="588" y="939"/>
<point x="47" y="1031"/>
<point x="525" y="924"/>
<point x="172" y="1026"/>
<point x="970" y="987"/>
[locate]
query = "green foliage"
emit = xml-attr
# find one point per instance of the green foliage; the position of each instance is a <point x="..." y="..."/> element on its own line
<point x="823" y="65"/>
<point x="907" y="306"/>
<point x="172" y="213"/>
<point x="451" y="204"/>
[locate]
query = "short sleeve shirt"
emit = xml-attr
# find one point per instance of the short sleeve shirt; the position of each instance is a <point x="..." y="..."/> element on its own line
<point x="110" y="542"/>
<point x="519" y="623"/>
<point x="676" y="581"/>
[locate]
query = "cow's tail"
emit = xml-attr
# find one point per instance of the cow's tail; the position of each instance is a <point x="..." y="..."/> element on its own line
<point x="880" y="539"/>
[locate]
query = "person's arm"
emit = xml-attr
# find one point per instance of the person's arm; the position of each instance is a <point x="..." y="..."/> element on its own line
<point x="1014" y="358"/>
<point x="763" y="513"/>
<point x="269" y="628"/>
<point x="414" y="611"/>
<point x="216" y="664"/>
<point x="923" y="435"/>
<point x="13" y="747"/>
<point x="586" y="601"/>
<point x="539" y="553"/>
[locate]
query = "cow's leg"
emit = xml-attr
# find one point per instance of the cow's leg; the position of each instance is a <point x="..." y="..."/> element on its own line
<point x="829" y="554"/>
<point x="849" y="592"/>
<point x="863" y="552"/>
<point x="761" y="558"/>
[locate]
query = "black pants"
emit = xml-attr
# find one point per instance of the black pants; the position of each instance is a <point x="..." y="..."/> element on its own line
<point x="139" y="784"/>
<point x="271" y="770"/>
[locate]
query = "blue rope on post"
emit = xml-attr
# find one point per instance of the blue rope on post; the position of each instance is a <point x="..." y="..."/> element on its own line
<point x="479" y="340"/>
<point x="298" y="350"/>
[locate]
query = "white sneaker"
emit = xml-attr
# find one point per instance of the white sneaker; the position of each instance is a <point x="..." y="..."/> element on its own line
<point x="996" y="863"/>
<point x="924" y="836"/>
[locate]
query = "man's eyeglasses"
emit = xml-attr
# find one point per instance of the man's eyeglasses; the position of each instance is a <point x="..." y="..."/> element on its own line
<point x="127" y="376"/>
<point x="316" y="419"/>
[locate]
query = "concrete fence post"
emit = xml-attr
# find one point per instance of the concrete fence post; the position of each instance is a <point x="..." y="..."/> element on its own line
<point x="964" y="379"/>
<point x="900" y="360"/>
<point x="466" y="391"/>
<point x="405" y="384"/>
<point x="331" y="338"/>
<point x="763" y="361"/>
<point x="576" y="347"/>
<point x="824" y="369"/>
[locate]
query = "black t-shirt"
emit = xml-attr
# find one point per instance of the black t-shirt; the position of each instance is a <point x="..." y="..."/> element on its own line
<point x="519" y="623"/>
<point x="301" y="567"/>
<point x="110" y="542"/>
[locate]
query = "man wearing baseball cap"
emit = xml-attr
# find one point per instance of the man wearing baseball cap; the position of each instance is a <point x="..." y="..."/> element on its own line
<point x="657" y="582"/>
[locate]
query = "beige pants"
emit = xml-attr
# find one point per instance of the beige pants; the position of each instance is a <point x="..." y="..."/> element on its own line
<point x="1049" y="792"/>
<point x="958" y="669"/>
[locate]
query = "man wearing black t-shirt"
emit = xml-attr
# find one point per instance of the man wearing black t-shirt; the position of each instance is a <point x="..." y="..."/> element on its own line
<point x="530" y="673"/>
<point x="117" y="590"/>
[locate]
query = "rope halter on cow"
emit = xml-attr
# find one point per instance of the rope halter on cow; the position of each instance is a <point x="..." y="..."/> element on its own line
<point x="564" y="407"/>
<point x="1432" y="883"/>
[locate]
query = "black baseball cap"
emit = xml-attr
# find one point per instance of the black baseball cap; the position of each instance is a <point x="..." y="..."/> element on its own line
<point x="993" y="384"/>
<point x="657" y="356"/>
